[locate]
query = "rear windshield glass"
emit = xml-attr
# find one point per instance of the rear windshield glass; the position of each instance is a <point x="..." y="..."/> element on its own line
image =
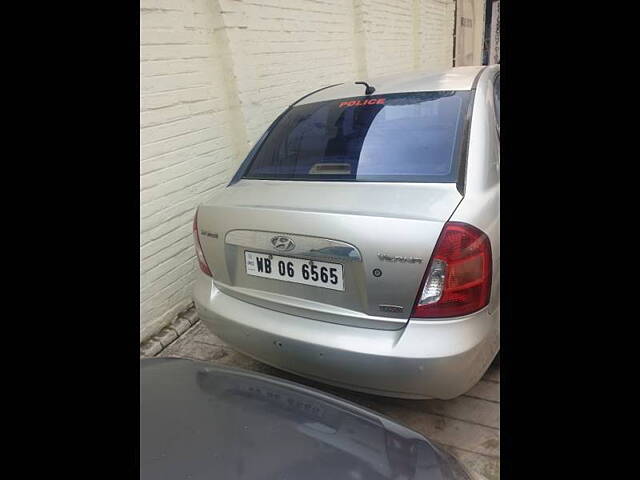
<point x="409" y="137"/>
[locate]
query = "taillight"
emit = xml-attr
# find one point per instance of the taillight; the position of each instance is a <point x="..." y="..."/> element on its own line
<point x="196" y="240"/>
<point x="458" y="279"/>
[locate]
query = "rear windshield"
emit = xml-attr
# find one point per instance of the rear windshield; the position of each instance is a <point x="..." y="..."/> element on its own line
<point x="409" y="137"/>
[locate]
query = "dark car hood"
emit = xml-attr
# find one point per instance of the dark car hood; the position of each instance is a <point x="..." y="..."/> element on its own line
<point x="199" y="421"/>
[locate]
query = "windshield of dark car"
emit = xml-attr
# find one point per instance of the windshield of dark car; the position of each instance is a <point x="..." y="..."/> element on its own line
<point x="409" y="137"/>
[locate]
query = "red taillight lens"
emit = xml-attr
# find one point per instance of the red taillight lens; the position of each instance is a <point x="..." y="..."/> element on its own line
<point x="196" y="240"/>
<point x="458" y="278"/>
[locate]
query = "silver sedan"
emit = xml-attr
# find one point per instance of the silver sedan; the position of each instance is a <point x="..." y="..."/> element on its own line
<point x="359" y="242"/>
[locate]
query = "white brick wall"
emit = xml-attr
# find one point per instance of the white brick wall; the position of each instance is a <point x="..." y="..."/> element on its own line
<point x="185" y="147"/>
<point x="470" y="32"/>
<point x="215" y="73"/>
<point x="436" y="34"/>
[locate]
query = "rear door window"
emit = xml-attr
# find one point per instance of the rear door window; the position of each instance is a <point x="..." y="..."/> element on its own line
<point x="411" y="137"/>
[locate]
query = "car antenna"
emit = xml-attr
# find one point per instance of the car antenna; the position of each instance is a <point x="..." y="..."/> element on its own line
<point x="369" y="90"/>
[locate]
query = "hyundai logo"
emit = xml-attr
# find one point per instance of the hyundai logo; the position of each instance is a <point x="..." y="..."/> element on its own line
<point x="282" y="243"/>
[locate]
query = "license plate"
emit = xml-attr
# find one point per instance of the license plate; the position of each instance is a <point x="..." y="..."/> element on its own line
<point x="296" y="270"/>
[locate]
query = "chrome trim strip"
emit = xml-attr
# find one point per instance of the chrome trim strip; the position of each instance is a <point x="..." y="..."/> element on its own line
<point x="309" y="247"/>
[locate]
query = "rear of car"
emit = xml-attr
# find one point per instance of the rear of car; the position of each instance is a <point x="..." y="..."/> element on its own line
<point x="357" y="242"/>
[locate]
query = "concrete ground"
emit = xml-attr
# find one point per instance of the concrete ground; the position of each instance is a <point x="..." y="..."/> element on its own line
<point x="468" y="426"/>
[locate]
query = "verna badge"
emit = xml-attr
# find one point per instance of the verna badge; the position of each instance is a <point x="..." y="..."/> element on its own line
<point x="282" y="243"/>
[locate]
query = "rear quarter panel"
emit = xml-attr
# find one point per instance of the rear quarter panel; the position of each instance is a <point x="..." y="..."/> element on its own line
<point x="481" y="203"/>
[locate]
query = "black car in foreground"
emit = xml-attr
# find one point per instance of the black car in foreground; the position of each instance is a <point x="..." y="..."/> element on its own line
<point x="200" y="421"/>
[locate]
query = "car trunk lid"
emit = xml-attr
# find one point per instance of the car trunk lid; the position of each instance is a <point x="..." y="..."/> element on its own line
<point x="381" y="234"/>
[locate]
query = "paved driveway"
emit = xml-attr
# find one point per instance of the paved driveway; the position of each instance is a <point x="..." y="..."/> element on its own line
<point x="468" y="426"/>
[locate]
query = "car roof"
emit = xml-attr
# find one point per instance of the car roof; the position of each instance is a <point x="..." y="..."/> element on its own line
<point x="457" y="78"/>
<point x="200" y="420"/>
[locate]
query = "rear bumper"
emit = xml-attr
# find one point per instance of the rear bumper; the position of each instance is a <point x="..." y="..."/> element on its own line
<point x="425" y="359"/>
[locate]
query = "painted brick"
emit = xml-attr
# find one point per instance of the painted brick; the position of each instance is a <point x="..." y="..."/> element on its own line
<point x="185" y="147"/>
